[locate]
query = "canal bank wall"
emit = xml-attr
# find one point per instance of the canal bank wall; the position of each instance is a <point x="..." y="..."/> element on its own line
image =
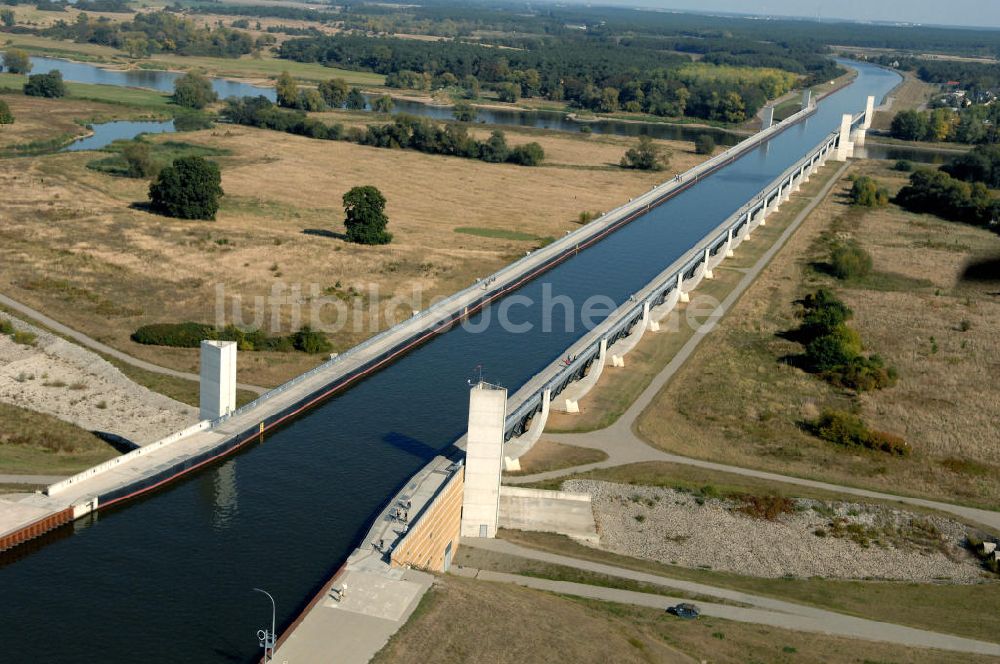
<point x="145" y="470"/>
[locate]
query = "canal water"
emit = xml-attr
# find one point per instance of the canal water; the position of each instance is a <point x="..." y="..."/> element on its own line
<point x="169" y="577"/>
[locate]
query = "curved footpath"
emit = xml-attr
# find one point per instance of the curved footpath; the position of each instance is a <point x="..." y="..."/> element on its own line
<point x="620" y="442"/>
<point x="761" y="610"/>
<point x="94" y="344"/>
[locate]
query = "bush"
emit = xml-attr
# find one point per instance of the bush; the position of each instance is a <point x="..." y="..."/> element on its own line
<point x="529" y="154"/>
<point x="862" y="374"/>
<point x="16" y="61"/>
<point x="850" y="261"/>
<point x="646" y="156"/>
<point x="903" y="166"/>
<point x="6" y="117"/>
<point x="769" y="506"/>
<point x="848" y="430"/>
<point x="704" y="144"/>
<point x="45" y="85"/>
<point x="936" y="192"/>
<point x="191" y="120"/>
<point x="464" y="112"/>
<point x="188" y="189"/>
<point x="193" y="90"/>
<point x="866" y="193"/>
<point x="138" y="162"/>
<point x="308" y="340"/>
<point x="177" y="335"/>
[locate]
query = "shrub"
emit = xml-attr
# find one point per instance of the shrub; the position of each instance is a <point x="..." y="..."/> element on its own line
<point x="866" y="193"/>
<point x="646" y="156"/>
<point x="308" y="340"/>
<point x="6" y="327"/>
<point x="6" y="117"/>
<point x="529" y="154"/>
<point x="45" y="85"/>
<point x="191" y="120"/>
<point x="704" y="144"/>
<point x="188" y="189"/>
<point x="903" y="166"/>
<point x="177" y="335"/>
<point x="769" y="506"/>
<point x="16" y="61"/>
<point x="138" y="162"/>
<point x="862" y="374"/>
<point x="848" y="430"/>
<point x="24" y="337"/>
<point x="464" y="112"/>
<point x="193" y="90"/>
<point x="849" y="260"/>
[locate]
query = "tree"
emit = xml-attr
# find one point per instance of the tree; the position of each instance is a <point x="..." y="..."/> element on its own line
<point x="6" y="117"/>
<point x="383" y="104"/>
<point x="16" y="61"/>
<point x="866" y="193"/>
<point x="704" y="144"/>
<point x="287" y="91"/>
<point x="508" y="92"/>
<point x="7" y="17"/>
<point x="138" y="162"/>
<point x="193" y="90"/>
<point x="909" y="125"/>
<point x="188" y="189"/>
<point x="464" y="112"/>
<point x="529" y="154"/>
<point x="647" y="156"/>
<point x="45" y="85"/>
<point x="494" y="150"/>
<point x="334" y="92"/>
<point x="355" y="100"/>
<point x="311" y="100"/>
<point x="849" y="260"/>
<point x="365" y="219"/>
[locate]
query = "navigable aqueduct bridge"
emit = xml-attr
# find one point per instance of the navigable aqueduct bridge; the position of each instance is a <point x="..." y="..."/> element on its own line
<point x="285" y="514"/>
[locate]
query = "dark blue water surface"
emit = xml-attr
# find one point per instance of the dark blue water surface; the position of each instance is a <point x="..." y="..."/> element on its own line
<point x="168" y="578"/>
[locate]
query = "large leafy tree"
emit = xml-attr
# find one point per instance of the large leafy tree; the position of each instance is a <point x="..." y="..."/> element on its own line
<point x="189" y="189"/>
<point x="45" y="85"/>
<point x="365" y="216"/>
<point x="334" y="92"/>
<point x="646" y="156"/>
<point x="16" y="61"/>
<point x="287" y="90"/>
<point x="194" y="90"/>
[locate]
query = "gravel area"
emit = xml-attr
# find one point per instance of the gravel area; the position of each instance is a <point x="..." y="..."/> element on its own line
<point x="855" y="540"/>
<point x="62" y="379"/>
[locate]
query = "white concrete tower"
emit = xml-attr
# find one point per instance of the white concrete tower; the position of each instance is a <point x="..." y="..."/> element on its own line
<point x="807" y="97"/>
<point x="767" y="118"/>
<point x="483" y="460"/>
<point x="218" y="379"/>
<point x="844" y="147"/>
<point x="866" y="124"/>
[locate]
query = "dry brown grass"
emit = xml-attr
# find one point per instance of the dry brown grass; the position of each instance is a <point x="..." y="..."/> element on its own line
<point x="464" y="620"/>
<point x="37" y="443"/>
<point x="736" y="402"/>
<point x="547" y="455"/>
<point x="72" y="246"/>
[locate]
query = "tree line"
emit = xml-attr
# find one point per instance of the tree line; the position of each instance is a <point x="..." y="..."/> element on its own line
<point x="405" y="132"/>
<point x="601" y="76"/>
<point x="158" y="32"/>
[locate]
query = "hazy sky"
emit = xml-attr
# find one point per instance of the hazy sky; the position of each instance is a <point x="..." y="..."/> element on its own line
<point x="979" y="13"/>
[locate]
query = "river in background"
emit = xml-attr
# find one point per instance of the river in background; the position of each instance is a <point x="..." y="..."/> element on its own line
<point x="163" y="81"/>
<point x="169" y="576"/>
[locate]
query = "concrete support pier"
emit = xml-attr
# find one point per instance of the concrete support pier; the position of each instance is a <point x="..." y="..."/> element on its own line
<point x="218" y="379"/>
<point x="768" y="118"/>
<point x="845" y="149"/>
<point x="807" y="97"/>
<point x="483" y="460"/>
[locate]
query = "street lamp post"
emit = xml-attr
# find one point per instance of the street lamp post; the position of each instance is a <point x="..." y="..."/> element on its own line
<point x="267" y="639"/>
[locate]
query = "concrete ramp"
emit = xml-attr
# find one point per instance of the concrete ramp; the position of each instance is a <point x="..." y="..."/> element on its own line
<point x="562" y="512"/>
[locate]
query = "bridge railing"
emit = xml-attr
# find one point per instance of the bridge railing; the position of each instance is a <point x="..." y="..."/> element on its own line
<point x="527" y="400"/>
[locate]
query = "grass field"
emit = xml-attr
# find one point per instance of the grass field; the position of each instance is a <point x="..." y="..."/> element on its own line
<point x="912" y="93"/>
<point x="35" y="443"/>
<point x="459" y="620"/>
<point x="546" y="455"/>
<point x="109" y="94"/>
<point x="75" y="246"/>
<point x="736" y="402"/>
<point x="966" y="610"/>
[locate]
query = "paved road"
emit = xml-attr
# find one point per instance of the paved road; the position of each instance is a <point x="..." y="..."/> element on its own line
<point x="761" y="610"/>
<point x="620" y="442"/>
<point x="94" y="344"/>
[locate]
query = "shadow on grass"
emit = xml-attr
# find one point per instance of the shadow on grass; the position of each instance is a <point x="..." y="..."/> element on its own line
<point x="323" y="232"/>
<point x="983" y="271"/>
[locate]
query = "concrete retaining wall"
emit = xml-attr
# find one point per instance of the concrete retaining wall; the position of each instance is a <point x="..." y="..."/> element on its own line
<point x="427" y="541"/>
<point x="560" y="512"/>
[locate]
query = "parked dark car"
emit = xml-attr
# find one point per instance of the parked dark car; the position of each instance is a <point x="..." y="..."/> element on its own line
<point x="685" y="611"/>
